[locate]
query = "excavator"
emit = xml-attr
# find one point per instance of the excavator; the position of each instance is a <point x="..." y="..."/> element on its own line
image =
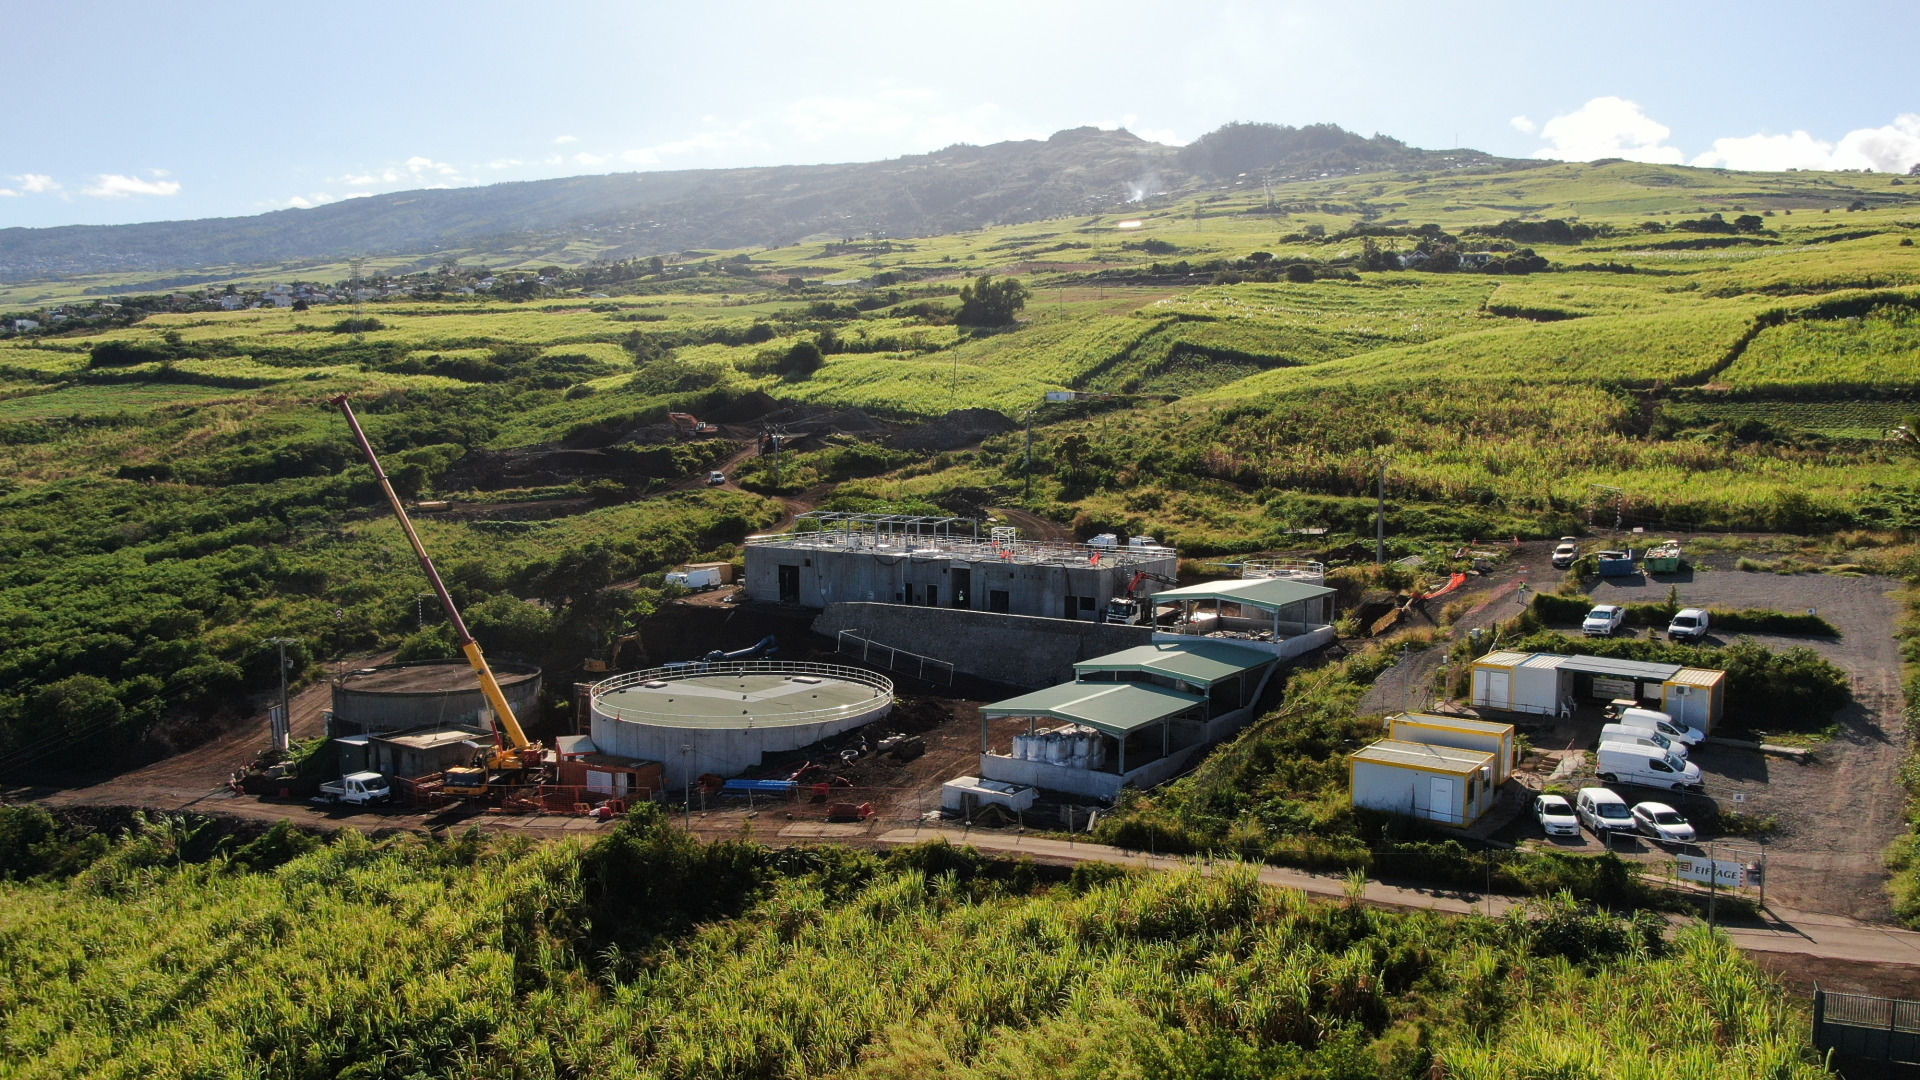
<point x="514" y="758"/>
<point x="1127" y="609"/>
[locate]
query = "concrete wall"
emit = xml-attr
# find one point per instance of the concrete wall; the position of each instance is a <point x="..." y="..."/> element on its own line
<point x="726" y="752"/>
<point x="829" y="576"/>
<point x="364" y="712"/>
<point x="1018" y="650"/>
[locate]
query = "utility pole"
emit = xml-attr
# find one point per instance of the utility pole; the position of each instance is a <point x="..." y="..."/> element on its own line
<point x="1380" y="519"/>
<point x="1713" y="883"/>
<point x="280" y="717"/>
<point x="1029" y="467"/>
<point x="686" y="752"/>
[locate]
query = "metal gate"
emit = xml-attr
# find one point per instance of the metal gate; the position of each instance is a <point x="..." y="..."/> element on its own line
<point x="1863" y="1026"/>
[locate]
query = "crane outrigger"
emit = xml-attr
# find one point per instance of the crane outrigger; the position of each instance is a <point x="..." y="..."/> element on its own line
<point x="514" y="755"/>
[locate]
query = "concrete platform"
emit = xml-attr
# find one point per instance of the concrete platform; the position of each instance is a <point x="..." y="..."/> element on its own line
<point x="705" y="702"/>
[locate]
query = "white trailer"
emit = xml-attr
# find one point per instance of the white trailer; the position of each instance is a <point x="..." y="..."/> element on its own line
<point x="1521" y="682"/>
<point x="1440" y="784"/>
<point x="1460" y="733"/>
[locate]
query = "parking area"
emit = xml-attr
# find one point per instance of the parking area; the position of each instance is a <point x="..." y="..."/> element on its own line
<point x="1833" y="815"/>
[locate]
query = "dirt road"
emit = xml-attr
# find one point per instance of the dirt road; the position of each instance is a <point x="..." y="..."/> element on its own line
<point x="1786" y="931"/>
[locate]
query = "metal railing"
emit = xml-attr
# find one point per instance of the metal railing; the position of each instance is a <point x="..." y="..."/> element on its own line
<point x="1292" y="569"/>
<point x="1864" y="1026"/>
<point x="936" y="546"/>
<point x="881" y="686"/>
<point x="925" y="668"/>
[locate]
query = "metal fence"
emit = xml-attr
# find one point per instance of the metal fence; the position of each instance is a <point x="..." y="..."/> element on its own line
<point x="1863" y="1026"/>
<point x="899" y="661"/>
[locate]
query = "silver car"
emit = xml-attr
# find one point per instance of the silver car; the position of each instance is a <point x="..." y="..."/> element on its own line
<point x="1662" y="823"/>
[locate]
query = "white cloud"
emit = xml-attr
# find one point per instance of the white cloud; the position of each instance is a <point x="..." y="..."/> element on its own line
<point x="589" y="160"/>
<point x="1893" y="148"/>
<point x="115" y="186"/>
<point x="1608" y="127"/>
<point x="565" y="139"/>
<point x="1521" y="123"/>
<point x="159" y="172"/>
<point x="1768" y="153"/>
<point x="504" y="163"/>
<point x="31" y="184"/>
<point x="8" y="193"/>
<point x="321" y="198"/>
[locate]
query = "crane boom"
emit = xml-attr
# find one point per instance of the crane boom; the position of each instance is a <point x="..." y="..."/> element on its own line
<point x="489" y="686"/>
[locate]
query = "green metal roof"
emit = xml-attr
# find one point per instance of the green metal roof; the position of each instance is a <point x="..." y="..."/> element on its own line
<point x="1200" y="662"/>
<point x="1119" y="709"/>
<point x="1265" y="592"/>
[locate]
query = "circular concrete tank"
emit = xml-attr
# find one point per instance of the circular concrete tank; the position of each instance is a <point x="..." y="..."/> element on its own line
<point x="720" y="718"/>
<point x="422" y="693"/>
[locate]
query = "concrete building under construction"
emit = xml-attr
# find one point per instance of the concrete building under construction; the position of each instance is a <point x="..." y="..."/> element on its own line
<point x="944" y="563"/>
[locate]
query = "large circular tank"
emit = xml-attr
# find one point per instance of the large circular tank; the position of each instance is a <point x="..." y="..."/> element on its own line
<point x="422" y="693"/>
<point x="721" y="717"/>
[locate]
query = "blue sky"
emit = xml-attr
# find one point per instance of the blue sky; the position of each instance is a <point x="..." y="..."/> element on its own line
<point x="139" y="111"/>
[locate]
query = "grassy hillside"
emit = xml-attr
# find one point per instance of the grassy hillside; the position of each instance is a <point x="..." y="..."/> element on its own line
<point x="1262" y="361"/>
<point x="644" y="954"/>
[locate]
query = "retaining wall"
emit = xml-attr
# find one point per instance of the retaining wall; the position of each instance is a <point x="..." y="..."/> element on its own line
<point x="1019" y="650"/>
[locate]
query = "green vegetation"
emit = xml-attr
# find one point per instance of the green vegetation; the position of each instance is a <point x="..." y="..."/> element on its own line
<point x="643" y="953"/>
<point x="173" y="489"/>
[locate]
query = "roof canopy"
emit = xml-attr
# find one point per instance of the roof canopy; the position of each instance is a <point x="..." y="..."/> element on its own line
<point x="1260" y="592"/>
<point x="1118" y="709"/>
<point x="1454" y="723"/>
<point x="1200" y="662"/>
<point x="1620" y="669"/>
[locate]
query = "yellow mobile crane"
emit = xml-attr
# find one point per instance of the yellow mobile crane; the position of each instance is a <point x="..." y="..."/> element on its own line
<point x="514" y="757"/>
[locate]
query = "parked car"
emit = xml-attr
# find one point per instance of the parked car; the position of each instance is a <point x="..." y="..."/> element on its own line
<point x="1566" y="553"/>
<point x="1556" y="816"/>
<point x="1646" y="766"/>
<point x="1601" y="811"/>
<point x="1655" y="720"/>
<point x="1688" y="624"/>
<point x="1603" y="620"/>
<point x="1644" y="736"/>
<point x="716" y="478"/>
<point x="359" y="788"/>
<point x="1661" y="822"/>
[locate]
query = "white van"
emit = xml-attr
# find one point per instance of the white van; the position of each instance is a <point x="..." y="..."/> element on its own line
<point x="1602" y="811"/>
<point x="1655" y="720"/>
<point x="1626" y="763"/>
<point x="1643" y="736"/>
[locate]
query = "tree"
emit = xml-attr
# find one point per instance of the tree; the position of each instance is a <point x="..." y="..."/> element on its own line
<point x="990" y="303"/>
<point x="802" y="360"/>
<point x="1300" y="273"/>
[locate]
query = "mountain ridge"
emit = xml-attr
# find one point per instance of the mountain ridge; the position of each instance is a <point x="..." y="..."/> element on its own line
<point x="625" y="214"/>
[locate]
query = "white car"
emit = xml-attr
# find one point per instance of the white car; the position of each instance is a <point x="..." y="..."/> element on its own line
<point x="716" y="478"/>
<point x="1689" y="624"/>
<point x="1555" y="815"/>
<point x="1566" y="553"/>
<point x="1603" y="620"/>
<point x="1602" y="811"/>
<point x="1661" y="822"/>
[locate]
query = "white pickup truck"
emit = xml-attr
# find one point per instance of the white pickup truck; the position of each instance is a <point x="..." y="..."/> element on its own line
<point x="358" y="788"/>
<point x="1603" y="620"/>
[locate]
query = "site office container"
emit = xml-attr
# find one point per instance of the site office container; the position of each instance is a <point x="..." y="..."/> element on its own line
<point x="1695" y="697"/>
<point x="1460" y="733"/>
<point x="1442" y="784"/>
<point x="1520" y="682"/>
